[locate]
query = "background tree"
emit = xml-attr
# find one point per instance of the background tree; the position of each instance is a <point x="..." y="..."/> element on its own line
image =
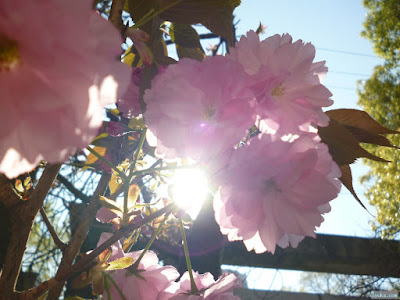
<point x="380" y="97"/>
<point x="382" y="28"/>
<point x="346" y="285"/>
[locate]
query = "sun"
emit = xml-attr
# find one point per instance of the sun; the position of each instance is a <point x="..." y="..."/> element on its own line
<point x="189" y="189"/>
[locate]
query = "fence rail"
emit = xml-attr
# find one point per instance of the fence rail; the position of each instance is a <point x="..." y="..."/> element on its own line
<point x="326" y="253"/>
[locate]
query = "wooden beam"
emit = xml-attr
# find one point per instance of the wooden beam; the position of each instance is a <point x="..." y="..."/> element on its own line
<point x="282" y="295"/>
<point x="326" y="253"/>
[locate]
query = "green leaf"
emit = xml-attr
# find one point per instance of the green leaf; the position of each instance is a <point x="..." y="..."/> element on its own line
<point x="100" y="136"/>
<point x="133" y="194"/>
<point x="121" y="263"/>
<point x="138" y="9"/>
<point x="111" y="205"/>
<point x="216" y="15"/>
<point x="131" y="57"/>
<point x="260" y="29"/>
<point x="98" y="283"/>
<point x="222" y="24"/>
<point x="105" y="255"/>
<point x="187" y="41"/>
<point x="115" y="183"/>
<point x="71" y="298"/>
<point x="104" y="142"/>
<point x="93" y="158"/>
<point x="18" y="185"/>
<point x="82" y="280"/>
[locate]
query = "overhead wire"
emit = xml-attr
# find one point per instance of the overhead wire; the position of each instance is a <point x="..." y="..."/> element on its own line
<point x="347" y="52"/>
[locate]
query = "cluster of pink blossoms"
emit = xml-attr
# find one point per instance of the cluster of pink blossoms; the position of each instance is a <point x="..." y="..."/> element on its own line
<point x="59" y="68"/>
<point x="275" y="187"/>
<point x="150" y="281"/>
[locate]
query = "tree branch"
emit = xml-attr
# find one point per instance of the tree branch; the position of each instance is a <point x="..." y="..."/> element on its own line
<point x="62" y="276"/>
<point x="52" y="231"/>
<point x="75" y="244"/>
<point x="22" y="217"/>
<point x="7" y="196"/>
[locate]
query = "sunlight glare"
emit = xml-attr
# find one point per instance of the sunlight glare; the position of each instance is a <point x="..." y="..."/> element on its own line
<point x="189" y="190"/>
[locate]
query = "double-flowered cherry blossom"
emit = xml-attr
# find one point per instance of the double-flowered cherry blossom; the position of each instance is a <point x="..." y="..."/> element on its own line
<point x="209" y="289"/>
<point x="59" y="67"/>
<point x="274" y="191"/>
<point x="276" y="188"/>
<point x="285" y="80"/>
<point x="199" y="109"/>
<point x="143" y="283"/>
<point x="129" y="103"/>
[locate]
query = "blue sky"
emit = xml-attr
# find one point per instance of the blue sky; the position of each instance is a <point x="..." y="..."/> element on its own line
<point x="333" y="27"/>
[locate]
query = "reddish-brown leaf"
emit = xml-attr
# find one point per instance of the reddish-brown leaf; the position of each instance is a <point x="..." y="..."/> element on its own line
<point x="343" y="146"/>
<point x="359" y="119"/>
<point x="347" y="181"/>
<point x="364" y="136"/>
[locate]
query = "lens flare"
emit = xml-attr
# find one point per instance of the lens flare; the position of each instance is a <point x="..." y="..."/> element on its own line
<point x="189" y="190"/>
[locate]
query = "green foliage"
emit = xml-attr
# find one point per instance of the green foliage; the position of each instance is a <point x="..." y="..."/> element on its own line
<point x="346" y="285"/>
<point x="380" y="97"/>
<point x="216" y="15"/>
<point x="187" y="41"/>
<point x="382" y="28"/>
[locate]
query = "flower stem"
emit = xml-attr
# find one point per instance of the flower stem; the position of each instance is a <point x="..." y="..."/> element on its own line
<point x="139" y="148"/>
<point x="116" y="287"/>
<point x="128" y="179"/>
<point x="126" y="198"/>
<point x="95" y="153"/>
<point x="168" y="168"/>
<point x="150" y="242"/>
<point x="188" y="263"/>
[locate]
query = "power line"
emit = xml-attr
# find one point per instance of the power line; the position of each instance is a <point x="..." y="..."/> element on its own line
<point x="212" y="35"/>
<point x="346" y="52"/>
<point x="341" y="87"/>
<point x="348" y="73"/>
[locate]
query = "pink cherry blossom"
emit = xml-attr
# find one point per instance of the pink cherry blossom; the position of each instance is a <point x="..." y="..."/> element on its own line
<point x="146" y="282"/>
<point x="129" y="103"/>
<point x="209" y="289"/>
<point x="198" y="109"/>
<point x="58" y="69"/>
<point x="285" y="80"/>
<point x="139" y="37"/>
<point x="274" y="192"/>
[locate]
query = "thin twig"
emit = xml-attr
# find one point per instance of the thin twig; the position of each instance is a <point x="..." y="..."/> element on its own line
<point x="52" y="231"/>
<point x="117" y="7"/>
<point x="70" y="187"/>
<point x="36" y="292"/>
